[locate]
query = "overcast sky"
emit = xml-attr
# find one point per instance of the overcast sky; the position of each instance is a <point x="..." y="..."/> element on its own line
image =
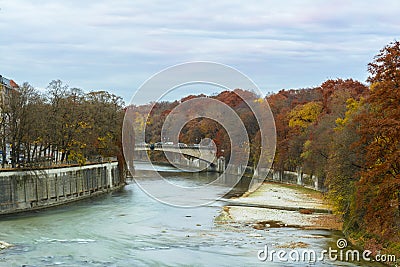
<point x="116" y="45"/>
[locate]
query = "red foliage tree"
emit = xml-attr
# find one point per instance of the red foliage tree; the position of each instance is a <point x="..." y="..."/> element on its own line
<point x="379" y="186"/>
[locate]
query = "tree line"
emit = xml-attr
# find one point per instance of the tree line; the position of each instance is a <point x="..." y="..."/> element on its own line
<point x="62" y="125"/>
<point x="344" y="132"/>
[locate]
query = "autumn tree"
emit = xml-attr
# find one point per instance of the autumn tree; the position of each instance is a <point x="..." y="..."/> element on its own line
<point x="35" y="129"/>
<point x="343" y="164"/>
<point x="103" y="124"/>
<point x="16" y="113"/>
<point x="378" y="191"/>
<point x="290" y="140"/>
<point x="323" y="141"/>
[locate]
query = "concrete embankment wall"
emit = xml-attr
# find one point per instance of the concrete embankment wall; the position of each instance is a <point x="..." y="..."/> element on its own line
<point x="287" y="177"/>
<point x="35" y="189"/>
<point x="217" y="166"/>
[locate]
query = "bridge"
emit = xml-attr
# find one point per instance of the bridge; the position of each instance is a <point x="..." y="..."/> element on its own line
<point x="204" y="153"/>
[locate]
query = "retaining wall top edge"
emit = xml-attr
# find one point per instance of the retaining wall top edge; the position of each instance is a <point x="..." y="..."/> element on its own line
<point x="56" y="170"/>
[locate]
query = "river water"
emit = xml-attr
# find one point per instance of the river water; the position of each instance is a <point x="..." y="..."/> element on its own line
<point x="129" y="228"/>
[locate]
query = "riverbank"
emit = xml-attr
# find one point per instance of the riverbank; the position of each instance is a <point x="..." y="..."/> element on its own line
<point x="280" y="205"/>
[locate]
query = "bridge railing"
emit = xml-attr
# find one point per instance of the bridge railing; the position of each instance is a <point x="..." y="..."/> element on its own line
<point x="175" y="146"/>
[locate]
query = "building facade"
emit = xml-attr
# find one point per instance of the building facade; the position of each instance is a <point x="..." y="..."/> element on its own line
<point x="6" y="87"/>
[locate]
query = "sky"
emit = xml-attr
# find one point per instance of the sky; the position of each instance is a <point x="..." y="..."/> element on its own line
<point x="117" y="45"/>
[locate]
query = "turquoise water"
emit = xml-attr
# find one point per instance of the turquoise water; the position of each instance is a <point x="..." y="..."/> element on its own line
<point x="129" y="228"/>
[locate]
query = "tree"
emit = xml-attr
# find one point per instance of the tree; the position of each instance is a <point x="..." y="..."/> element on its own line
<point x="378" y="191"/>
<point x="304" y="115"/>
<point x="340" y="99"/>
<point x="56" y="92"/>
<point x="344" y="163"/>
<point x="104" y="121"/>
<point x="16" y="112"/>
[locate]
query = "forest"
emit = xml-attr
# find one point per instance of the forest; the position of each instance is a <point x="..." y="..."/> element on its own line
<point x="344" y="131"/>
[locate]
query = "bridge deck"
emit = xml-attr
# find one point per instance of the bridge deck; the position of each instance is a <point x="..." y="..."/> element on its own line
<point x="205" y="153"/>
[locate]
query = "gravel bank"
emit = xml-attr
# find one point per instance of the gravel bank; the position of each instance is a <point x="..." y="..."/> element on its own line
<point x="280" y="205"/>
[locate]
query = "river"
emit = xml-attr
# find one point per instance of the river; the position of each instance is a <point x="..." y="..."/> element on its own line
<point x="129" y="228"/>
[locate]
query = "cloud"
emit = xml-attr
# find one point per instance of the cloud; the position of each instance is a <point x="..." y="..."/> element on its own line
<point x="118" y="44"/>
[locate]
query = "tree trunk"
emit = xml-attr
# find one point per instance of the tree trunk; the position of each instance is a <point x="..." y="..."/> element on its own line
<point x="4" y="149"/>
<point x="398" y="204"/>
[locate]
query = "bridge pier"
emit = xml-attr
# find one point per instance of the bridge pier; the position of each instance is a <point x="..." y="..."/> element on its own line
<point x="221" y="164"/>
<point x="315" y="180"/>
<point x="299" y="175"/>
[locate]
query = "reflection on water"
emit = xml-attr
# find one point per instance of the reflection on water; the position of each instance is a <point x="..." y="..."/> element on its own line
<point x="129" y="228"/>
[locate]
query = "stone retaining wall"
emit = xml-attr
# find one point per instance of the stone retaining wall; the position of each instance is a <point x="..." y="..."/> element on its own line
<point x="35" y="189"/>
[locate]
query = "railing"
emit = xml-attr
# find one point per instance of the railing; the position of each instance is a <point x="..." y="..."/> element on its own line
<point x="46" y="164"/>
<point x="177" y="146"/>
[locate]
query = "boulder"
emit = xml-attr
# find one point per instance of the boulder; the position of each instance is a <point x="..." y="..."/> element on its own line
<point x="4" y="245"/>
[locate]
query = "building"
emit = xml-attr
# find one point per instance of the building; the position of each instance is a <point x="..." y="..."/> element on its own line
<point x="6" y="87"/>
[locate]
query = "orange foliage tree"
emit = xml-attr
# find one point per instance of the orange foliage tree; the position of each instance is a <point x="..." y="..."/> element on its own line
<point x="378" y="195"/>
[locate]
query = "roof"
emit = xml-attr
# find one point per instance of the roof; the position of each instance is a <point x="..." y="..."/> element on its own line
<point x="8" y="83"/>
